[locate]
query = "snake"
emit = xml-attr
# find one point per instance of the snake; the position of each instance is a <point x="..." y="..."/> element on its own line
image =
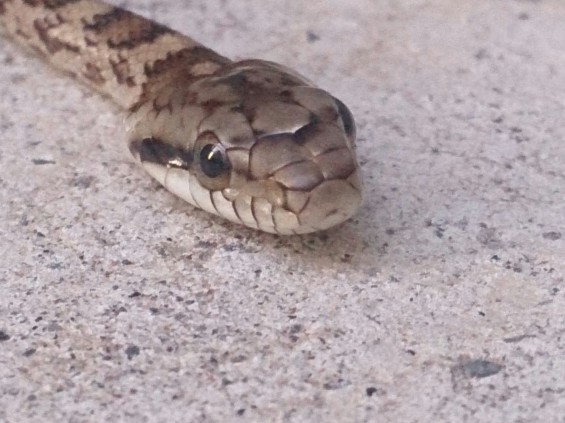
<point x="251" y="141"/>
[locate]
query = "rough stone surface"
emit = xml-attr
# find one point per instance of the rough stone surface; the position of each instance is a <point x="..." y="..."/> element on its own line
<point x="443" y="300"/>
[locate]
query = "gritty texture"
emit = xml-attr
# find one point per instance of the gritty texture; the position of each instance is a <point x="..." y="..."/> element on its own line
<point x="441" y="301"/>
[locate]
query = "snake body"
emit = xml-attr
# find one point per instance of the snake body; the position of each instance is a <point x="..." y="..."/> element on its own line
<point x="251" y="141"/>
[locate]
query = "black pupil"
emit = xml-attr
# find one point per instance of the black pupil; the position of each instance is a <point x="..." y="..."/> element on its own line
<point x="212" y="161"/>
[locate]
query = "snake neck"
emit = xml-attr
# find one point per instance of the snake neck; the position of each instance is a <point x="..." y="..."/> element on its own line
<point x="118" y="53"/>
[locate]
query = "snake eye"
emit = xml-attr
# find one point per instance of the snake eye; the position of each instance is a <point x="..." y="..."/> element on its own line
<point x="213" y="168"/>
<point x="213" y="160"/>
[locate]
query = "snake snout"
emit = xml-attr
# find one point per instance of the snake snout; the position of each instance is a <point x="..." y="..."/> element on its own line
<point x="331" y="203"/>
<point x="316" y="175"/>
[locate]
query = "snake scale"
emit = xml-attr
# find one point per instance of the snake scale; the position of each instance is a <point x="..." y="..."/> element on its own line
<point x="251" y="141"/>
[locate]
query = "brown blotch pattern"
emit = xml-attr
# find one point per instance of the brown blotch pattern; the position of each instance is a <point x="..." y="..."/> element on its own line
<point x="51" y="42"/>
<point x="121" y="36"/>
<point x="183" y="60"/>
<point x="128" y="49"/>
<point x="50" y="4"/>
<point x="93" y="74"/>
<point x="122" y="72"/>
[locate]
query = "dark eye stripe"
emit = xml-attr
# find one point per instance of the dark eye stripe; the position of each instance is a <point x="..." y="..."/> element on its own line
<point x="153" y="150"/>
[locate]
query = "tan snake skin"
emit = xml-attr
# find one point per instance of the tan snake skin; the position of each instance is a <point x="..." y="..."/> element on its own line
<point x="250" y="141"/>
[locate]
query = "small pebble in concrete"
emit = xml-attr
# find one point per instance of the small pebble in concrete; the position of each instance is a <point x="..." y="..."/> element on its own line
<point x="132" y="351"/>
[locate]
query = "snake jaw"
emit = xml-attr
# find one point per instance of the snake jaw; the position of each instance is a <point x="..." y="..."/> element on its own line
<point x="268" y="189"/>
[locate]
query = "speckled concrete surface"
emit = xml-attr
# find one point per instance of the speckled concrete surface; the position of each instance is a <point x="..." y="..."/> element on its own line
<point x="443" y="300"/>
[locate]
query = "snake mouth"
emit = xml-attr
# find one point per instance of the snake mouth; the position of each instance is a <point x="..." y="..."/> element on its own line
<point x="269" y="206"/>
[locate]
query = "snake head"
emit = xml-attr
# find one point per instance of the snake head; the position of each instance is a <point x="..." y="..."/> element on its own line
<point x="255" y="143"/>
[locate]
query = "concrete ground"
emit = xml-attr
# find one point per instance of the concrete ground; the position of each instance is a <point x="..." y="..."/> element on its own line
<point x="443" y="300"/>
